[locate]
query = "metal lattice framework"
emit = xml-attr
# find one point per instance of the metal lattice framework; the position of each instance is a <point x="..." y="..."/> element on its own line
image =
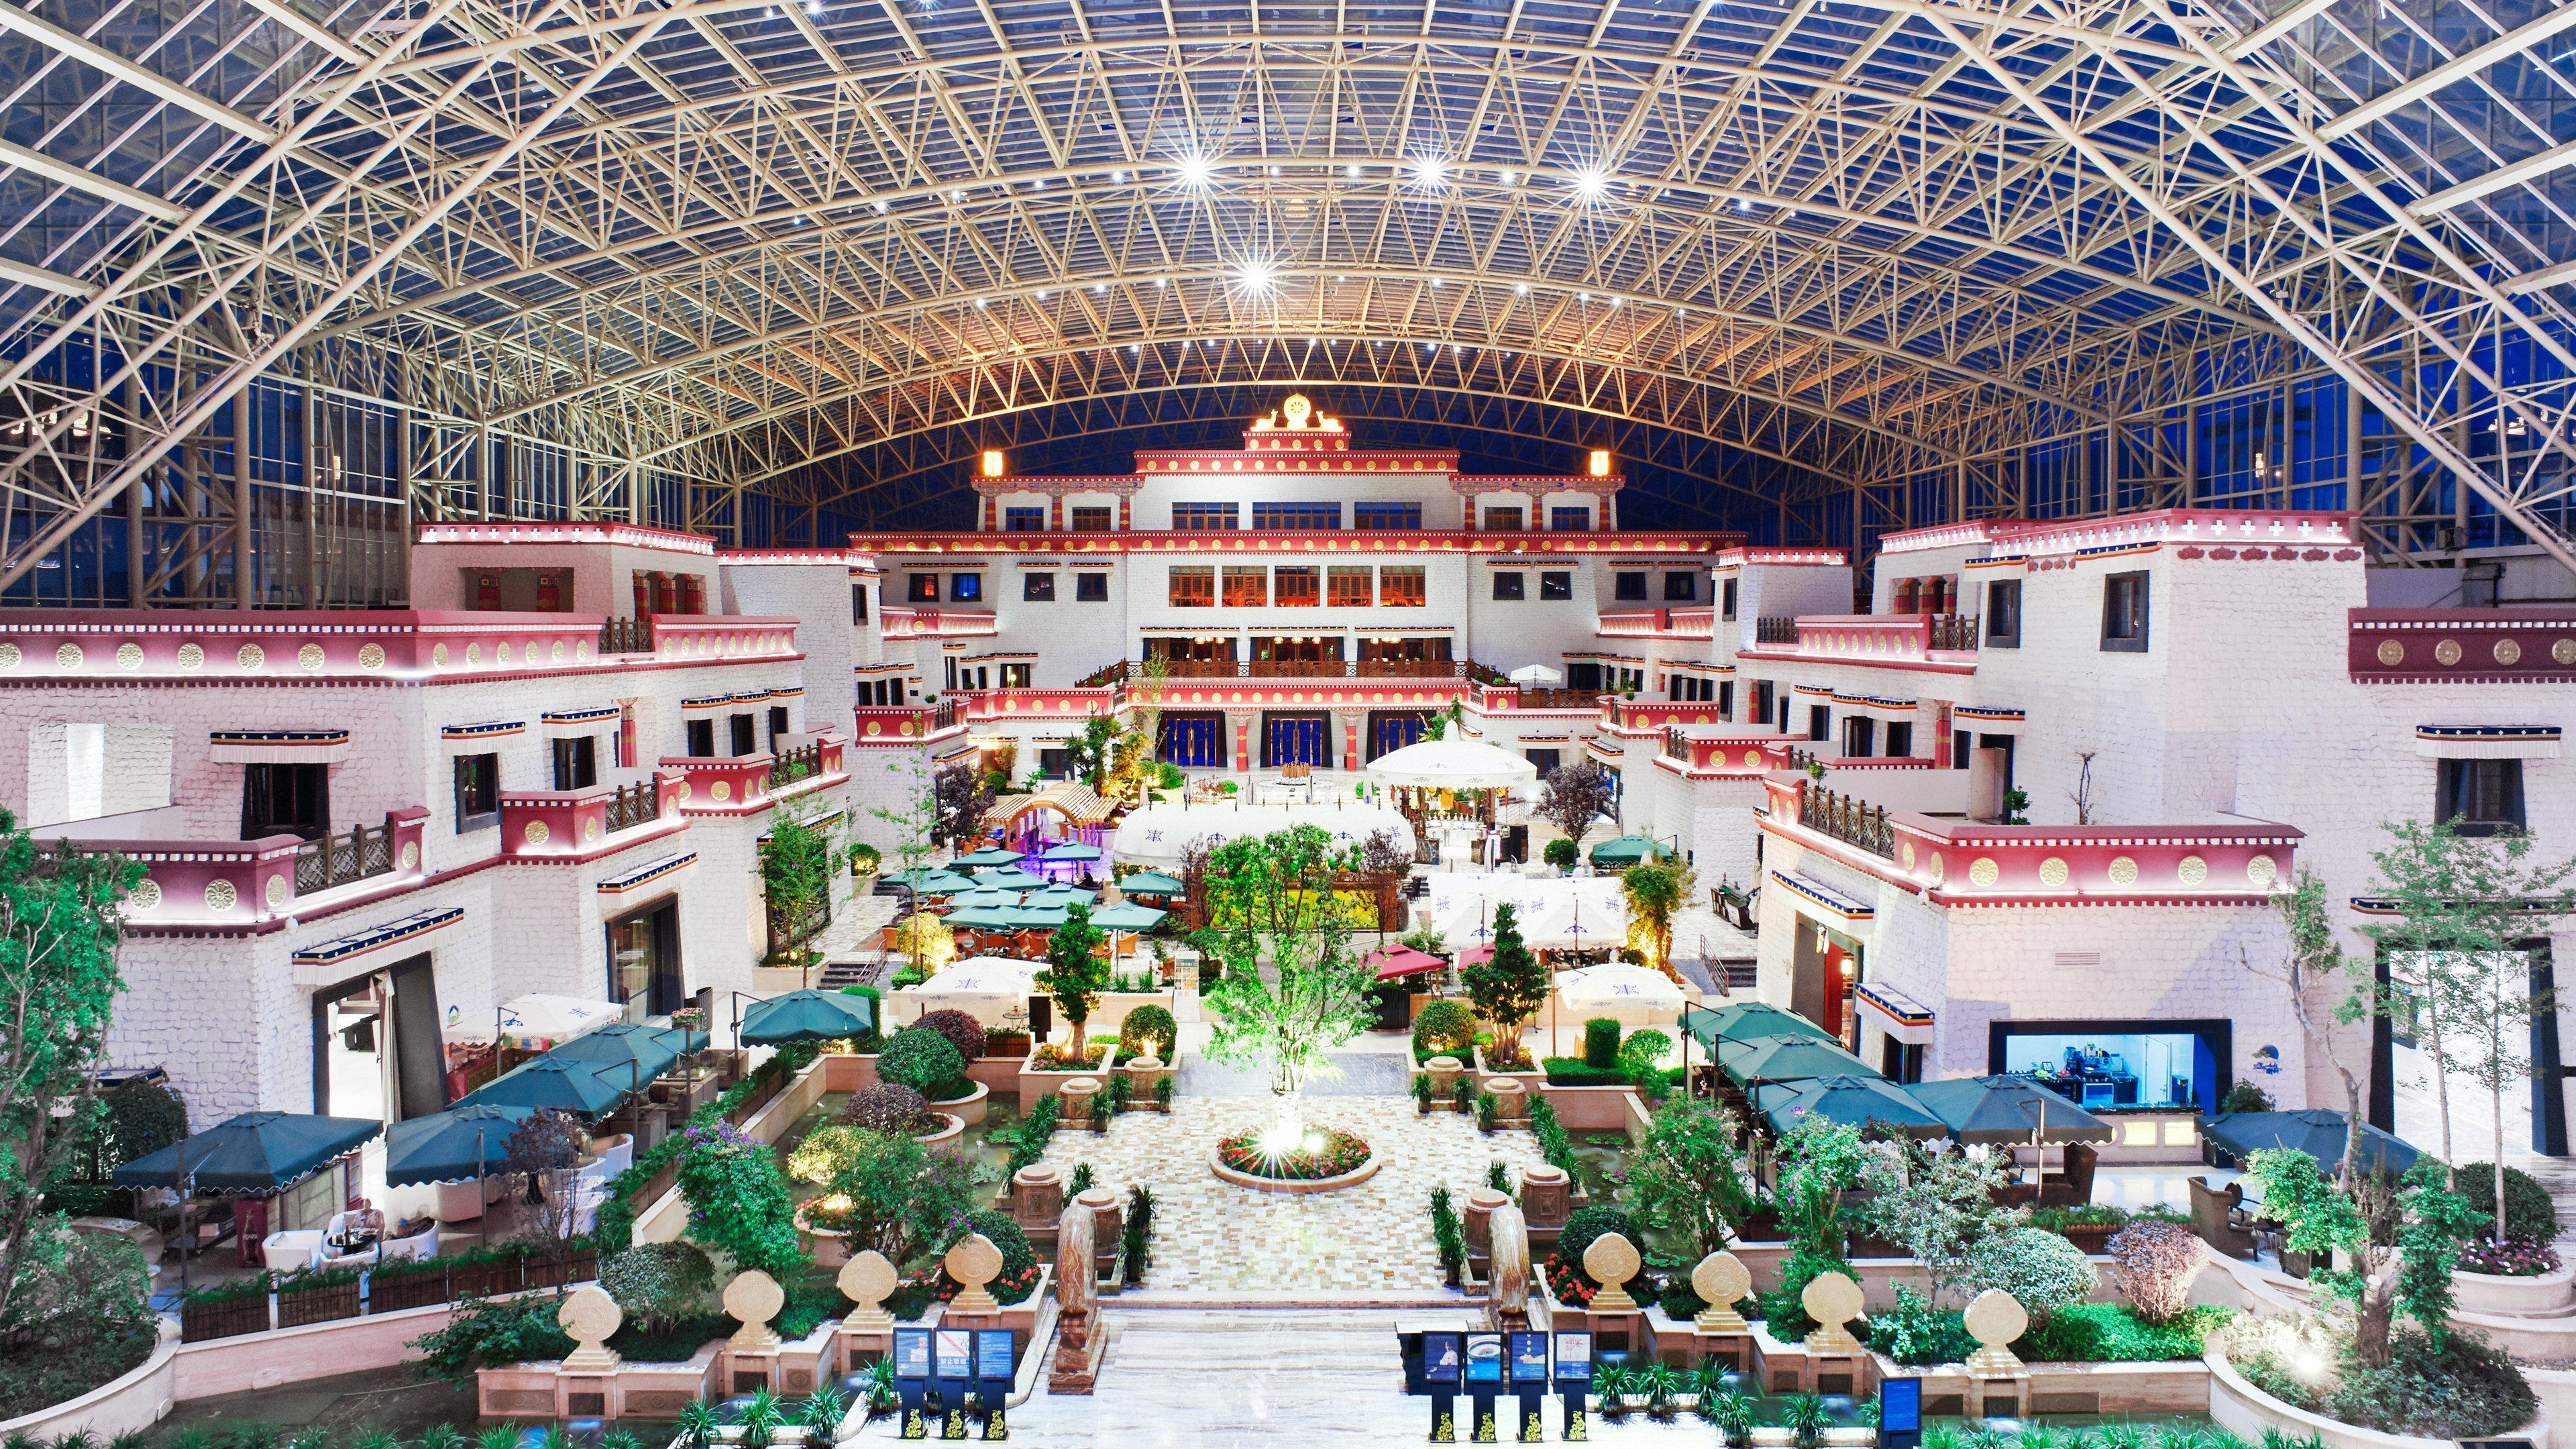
<point x="733" y="253"/>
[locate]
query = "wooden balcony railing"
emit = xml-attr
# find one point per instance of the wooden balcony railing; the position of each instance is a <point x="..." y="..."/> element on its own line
<point x="625" y="635"/>
<point x="1847" y="818"/>
<point x="1775" y="631"/>
<point x="337" y="860"/>
<point x="633" y="805"/>
<point x="1954" y="631"/>
<point x="806" y="761"/>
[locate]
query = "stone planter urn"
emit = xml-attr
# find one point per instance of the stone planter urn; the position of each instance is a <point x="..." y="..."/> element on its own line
<point x="1078" y="1096"/>
<point x="1547" y="1196"/>
<point x="1445" y="1072"/>
<point x="1108" y="1225"/>
<point x="1511" y="1101"/>
<point x="1478" y="1220"/>
<point x="1037" y="1196"/>
<point x="968" y="1109"/>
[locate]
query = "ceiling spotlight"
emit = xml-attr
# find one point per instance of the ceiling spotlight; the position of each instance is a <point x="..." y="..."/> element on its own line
<point x="1591" y="185"/>
<point x="1041" y="294"/>
<point x="1162" y="281"/>
<point x="1038" y="184"/>
<point x="1503" y="174"/>
<point x="1430" y="173"/>
<point x="1099" y="287"/>
<point x="1521" y="288"/>
<point x="957" y="195"/>
<point x="1255" y="277"/>
<point x="1615" y="301"/>
<point x="1583" y="296"/>
<point x="1197" y="170"/>
<point x="881" y="206"/>
<point x="1352" y="172"/>
<point x="1743" y="203"/>
<point x="1274" y="170"/>
<point x="813" y="7"/>
<point x="979" y="304"/>
<point x="1435" y="281"/>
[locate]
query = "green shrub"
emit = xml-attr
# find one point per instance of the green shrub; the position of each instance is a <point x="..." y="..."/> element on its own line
<point x="1553" y="1145"/>
<point x="1915" y="1332"/>
<point x="1601" y="1043"/>
<point x="1780" y="1309"/>
<point x="659" y="1284"/>
<point x="963" y="1032"/>
<point x="886" y="1107"/>
<point x="1028" y="1141"/>
<point x="738" y="1199"/>
<point x="490" y="1332"/>
<point x="1148" y="1025"/>
<point x="2111" y="1333"/>
<point x="1169" y="776"/>
<point x="2459" y="1389"/>
<point x="1641" y="1056"/>
<point x="1562" y="853"/>
<point x="1576" y="1072"/>
<point x="1443" y="1028"/>
<point x="920" y="1058"/>
<point x="2040" y="1269"/>
<point x="2529" y="1211"/>
<point x="2245" y="1097"/>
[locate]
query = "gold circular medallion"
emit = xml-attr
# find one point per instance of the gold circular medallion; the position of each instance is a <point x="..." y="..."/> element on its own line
<point x="2191" y="870"/>
<point x="2508" y="651"/>
<point x="590" y="830"/>
<point x="2447" y="651"/>
<point x="1983" y="871"/>
<point x="192" y="656"/>
<point x="276" y="892"/>
<point x="129" y="656"/>
<point x="69" y="656"/>
<point x="474" y="654"/>
<point x="2124" y="871"/>
<point x="2392" y="652"/>
<point x="438" y="655"/>
<point x="536" y="833"/>
<point x="2564" y="651"/>
<point x="221" y="895"/>
<point x="1935" y="870"/>
<point x="145" y="896"/>
<point x="310" y="657"/>
<point x="371" y="656"/>
<point x="720" y="790"/>
<point x="410" y="854"/>
<point x="2052" y="872"/>
<point x="2262" y="870"/>
<point x="1905" y="854"/>
<point x="251" y="656"/>
<point x="10" y="657"/>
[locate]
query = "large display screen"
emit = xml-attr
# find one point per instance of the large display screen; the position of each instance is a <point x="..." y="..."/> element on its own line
<point x="954" y="1347"/>
<point x="1484" y="1358"/>
<point x="912" y="1353"/>
<point x="1529" y="1358"/>
<point x="993" y="1356"/>
<point x="1574" y="1357"/>
<point x="1900" y="1405"/>
<point x="1440" y="1356"/>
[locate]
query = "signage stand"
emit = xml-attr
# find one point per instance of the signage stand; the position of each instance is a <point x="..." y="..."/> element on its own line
<point x="1443" y="1359"/>
<point x="994" y="1363"/>
<point x="1529" y="1384"/>
<point x="912" y="1379"/>
<point x="1900" y="1413"/>
<point x="953" y="1360"/>
<point x="1486" y="1372"/>
<point x="1574" y="1382"/>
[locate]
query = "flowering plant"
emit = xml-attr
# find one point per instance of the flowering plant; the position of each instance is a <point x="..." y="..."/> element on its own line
<point x="1567" y="1283"/>
<point x="2511" y="1258"/>
<point x="1339" y="1152"/>
<point x="1052" y="1057"/>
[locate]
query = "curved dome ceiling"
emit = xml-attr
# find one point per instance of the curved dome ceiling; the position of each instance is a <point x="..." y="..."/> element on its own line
<point x="761" y="245"/>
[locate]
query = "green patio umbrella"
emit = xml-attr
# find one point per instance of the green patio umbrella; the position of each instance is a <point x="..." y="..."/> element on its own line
<point x="1036" y="918"/>
<point x="1626" y="850"/>
<point x="1151" y="883"/>
<point x="2007" y="1109"/>
<point x="930" y="881"/>
<point x="1747" y="1021"/>
<point x="1009" y="878"/>
<point x="468" y="1141"/>
<point x="984" y="918"/>
<point x="1072" y="850"/>
<point x="650" y="1050"/>
<point x="2317" y="1132"/>
<point x="1870" y="1102"/>
<point x="1787" y="1059"/>
<point x="990" y="855"/>
<point x="806" y="1016"/>
<point x="551" y="1083"/>
<point x="1127" y="916"/>
<point x="254" y="1153"/>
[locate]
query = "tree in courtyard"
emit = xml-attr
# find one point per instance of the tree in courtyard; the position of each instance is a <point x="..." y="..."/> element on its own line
<point x="914" y="818"/>
<point x="1508" y="988"/>
<point x="1686" y="1176"/>
<point x="547" y="1149"/>
<point x="58" y="983"/>
<point x="1087" y="754"/>
<point x="795" y="864"/>
<point x="2327" y="996"/>
<point x="1271" y="906"/>
<point x="1076" y="973"/>
<point x="1656" y="890"/>
<point x="1574" y="796"/>
<point x="1940" y="1205"/>
<point x="2465" y="907"/>
<point x="963" y="797"/>
<point x="2388" y="1244"/>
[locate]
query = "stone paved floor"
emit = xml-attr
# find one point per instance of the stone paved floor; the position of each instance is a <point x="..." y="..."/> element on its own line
<point x="1212" y="1238"/>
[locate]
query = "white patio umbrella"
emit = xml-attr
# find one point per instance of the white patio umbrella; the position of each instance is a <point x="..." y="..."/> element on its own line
<point x="1538" y="674"/>
<point x="1618" y="984"/>
<point x="540" y="1018"/>
<point x="984" y="987"/>
<point x="1453" y="764"/>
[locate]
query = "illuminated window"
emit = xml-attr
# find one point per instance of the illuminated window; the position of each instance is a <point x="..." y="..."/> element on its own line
<point x="1296" y="588"/>
<point x="1193" y="588"/>
<point x="1401" y="587"/>
<point x="1346" y="587"/>
<point x="1247" y="586"/>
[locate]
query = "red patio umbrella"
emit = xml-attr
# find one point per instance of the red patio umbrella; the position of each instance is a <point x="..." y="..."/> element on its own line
<point x="1475" y="956"/>
<point x="1394" y="963"/>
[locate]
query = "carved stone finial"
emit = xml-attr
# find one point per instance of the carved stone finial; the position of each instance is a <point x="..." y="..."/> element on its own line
<point x="1994" y="1319"/>
<point x="973" y="1262"/>
<point x="753" y="1298"/>
<point x="866" y="1280"/>
<point x="1721" y="1281"/>
<point x="1509" y="1274"/>
<point x="591" y="1317"/>
<point x="1833" y="1300"/>
<point x="1611" y="1261"/>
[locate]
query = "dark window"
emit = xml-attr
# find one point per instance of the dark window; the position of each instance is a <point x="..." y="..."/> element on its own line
<point x="644" y="959"/>
<point x="576" y="763"/>
<point x="966" y="588"/>
<point x="1037" y="586"/>
<point x="1502" y="520"/>
<point x="1757" y="702"/>
<point x="1726" y="597"/>
<point x="2003" y="614"/>
<point x="1900" y="740"/>
<point x="1860" y="736"/>
<point x="1900" y="1062"/>
<point x="922" y="588"/>
<point x="1628" y="585"/>
<point x="1959" y="750"/>
<point x="1546" y="760"/>
<point x="1024" y="520"/>
<point x="858" y="603"/>
<point x="777" y="725"/>
<point x="1569" y="520"/>
<point x="1820" y="722"/>
<point x="1386" y="517"/>
<point x="2124" y="613"/>
<point x="1510" y="585"/>
<point x="746" y="736"/>
<point x="1015" y="676"/>
<point x="478" y="790"/>
<point x="1091" y="588"/>
<point x="1583" y="674"/>
<point x="1681" y="586"/>
<point x="1201" y="516"/>
<point x="701" y="735"/>
<point x="1297" y="517"/>
<point x="1095" y="520"/>
<point x="1555" y="584"/>
<point x="2484" y="797"/>
<point x="1055" y="764"/>
<point x="286" y="800"/>
<point x="1726" y="698"/>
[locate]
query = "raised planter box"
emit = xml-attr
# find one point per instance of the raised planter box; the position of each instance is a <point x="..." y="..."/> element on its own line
<point x="1355" y="1176"/>
<point x="1036" y="1086"/>
<point x="228" y="1318"/>
<point x="406" y="1290"/>
<point x="828" y="1248"/>
<point x="2246" y="1411"/>
<point x="951" y="1132"/>
<point x="969" y="1109"/>
<point x="318" y="1305"/>
<point x="2543" y="1294"/>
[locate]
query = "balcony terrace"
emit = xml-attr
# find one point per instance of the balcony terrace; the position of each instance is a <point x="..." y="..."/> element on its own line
<point x="1945" y="642"/>
<point x="257" y="885"/>
<point x="896" y="621"/>
<point x="1331" y="540"/>
<point x="307" y="646"/>
<point x="1658" y="624"/>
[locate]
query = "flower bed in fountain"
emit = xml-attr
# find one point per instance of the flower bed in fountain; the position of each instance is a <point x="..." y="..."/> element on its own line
<point x="1329" y="1158"/>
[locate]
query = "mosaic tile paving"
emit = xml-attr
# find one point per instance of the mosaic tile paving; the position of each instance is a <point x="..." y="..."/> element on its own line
<point x="1214" y="1238"/>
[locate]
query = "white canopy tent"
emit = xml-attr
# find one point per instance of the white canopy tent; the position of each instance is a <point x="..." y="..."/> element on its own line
<point x="1554" y="912"/>
<point x="1453" y="764"/>
<point x="1633" y="996"/>
<point x="984" y="987"/>
<point x="1540" y="675"/>
<point x="1160" y="834"/>
<point x="540" y="1019"/>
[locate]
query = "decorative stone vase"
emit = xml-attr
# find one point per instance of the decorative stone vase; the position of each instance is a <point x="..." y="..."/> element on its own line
<point x="968" y="1109"/>
<point x="828" y="1248"/>
<point x="1037" y="1196"/>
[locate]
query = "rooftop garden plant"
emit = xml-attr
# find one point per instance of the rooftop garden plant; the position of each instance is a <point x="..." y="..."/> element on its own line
<point x="1443" y="1028"/>
<point x="924" y="1059"/>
